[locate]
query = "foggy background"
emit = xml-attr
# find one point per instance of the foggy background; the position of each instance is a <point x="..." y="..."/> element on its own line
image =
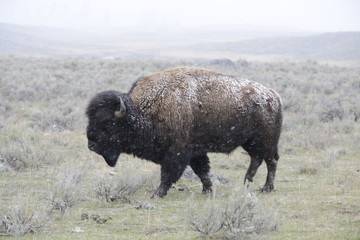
<point x="182" y="29"/>
<point x="306" y="15"/>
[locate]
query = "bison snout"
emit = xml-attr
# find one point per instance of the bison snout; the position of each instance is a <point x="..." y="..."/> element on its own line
<point x="91" y="145"/>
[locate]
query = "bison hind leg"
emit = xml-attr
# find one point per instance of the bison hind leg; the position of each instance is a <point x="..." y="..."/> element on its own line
<point x="201" y="167"/>
<point x="255" y="163"/>
<point x="271" y="167"/>
<point x="258" y="153"/>
<point x="271" y="164"/>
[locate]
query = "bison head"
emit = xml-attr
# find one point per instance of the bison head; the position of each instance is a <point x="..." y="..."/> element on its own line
<point x="106" y="130"/>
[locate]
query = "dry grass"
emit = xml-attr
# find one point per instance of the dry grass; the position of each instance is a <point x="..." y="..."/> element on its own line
<point x="22" y="219"/>
<point x="239" y="215"/>
<point x="65" y="193"/>
<point x="42" y="138"/>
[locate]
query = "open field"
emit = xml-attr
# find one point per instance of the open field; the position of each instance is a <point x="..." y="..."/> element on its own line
<point x="49" y="179"/>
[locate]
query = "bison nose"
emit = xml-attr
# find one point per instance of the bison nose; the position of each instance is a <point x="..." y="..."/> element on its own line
<point x="91" y="145"/>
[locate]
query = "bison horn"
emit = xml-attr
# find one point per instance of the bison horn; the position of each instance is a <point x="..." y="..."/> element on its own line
<point x="122" y="109"/>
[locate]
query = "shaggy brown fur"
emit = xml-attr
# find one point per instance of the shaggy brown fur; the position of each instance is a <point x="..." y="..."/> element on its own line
<point x="176" y="117"/>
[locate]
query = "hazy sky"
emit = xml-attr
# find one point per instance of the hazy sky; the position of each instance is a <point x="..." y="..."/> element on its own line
<point x="313" y="15"/>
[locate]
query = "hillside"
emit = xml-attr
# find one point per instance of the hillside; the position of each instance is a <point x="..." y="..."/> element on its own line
<point x="334" y="46"/>
<point x="177" y="43"/>
<point x="29" y="40"/>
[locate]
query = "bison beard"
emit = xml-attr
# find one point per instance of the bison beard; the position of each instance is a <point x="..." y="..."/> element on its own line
<point x="174" y="118"/>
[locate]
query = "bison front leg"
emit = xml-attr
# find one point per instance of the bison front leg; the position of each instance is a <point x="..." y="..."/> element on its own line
<point x="271" y="167"/>
<point x="172" y="168"/>
<point x="201" y="167"/>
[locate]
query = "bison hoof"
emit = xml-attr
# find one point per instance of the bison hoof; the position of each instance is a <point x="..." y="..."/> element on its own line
<point x="155" y="196"/>
<point x="267" y="189"/>
<point x="206" y="191"/>
<point x="248" y="180"/>
<point x="159" y="193"/>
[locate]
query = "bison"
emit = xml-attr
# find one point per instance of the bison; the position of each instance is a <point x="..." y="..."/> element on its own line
<point x="175" y="117"/>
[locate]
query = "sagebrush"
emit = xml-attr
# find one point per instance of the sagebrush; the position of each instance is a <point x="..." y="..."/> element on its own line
<point x="240" y="215"/>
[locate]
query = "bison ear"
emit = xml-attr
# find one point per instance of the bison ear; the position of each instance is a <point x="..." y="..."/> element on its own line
<point x="122" y="109"/>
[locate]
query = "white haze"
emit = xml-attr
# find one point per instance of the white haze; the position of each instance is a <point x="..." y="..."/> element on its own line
<point x="305" y="15"/>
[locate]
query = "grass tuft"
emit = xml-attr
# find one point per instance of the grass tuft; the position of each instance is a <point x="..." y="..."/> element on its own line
<point x="240" y="215"/>
<point x="65" y="193"/>
<point x="22" y="220"/>
<point x="120" y="187"/>
<point x="24" y="149"/>
<point x="308" y="171"/>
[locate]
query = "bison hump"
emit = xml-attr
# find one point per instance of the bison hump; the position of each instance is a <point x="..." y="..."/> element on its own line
<point x="177" y="97"/>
